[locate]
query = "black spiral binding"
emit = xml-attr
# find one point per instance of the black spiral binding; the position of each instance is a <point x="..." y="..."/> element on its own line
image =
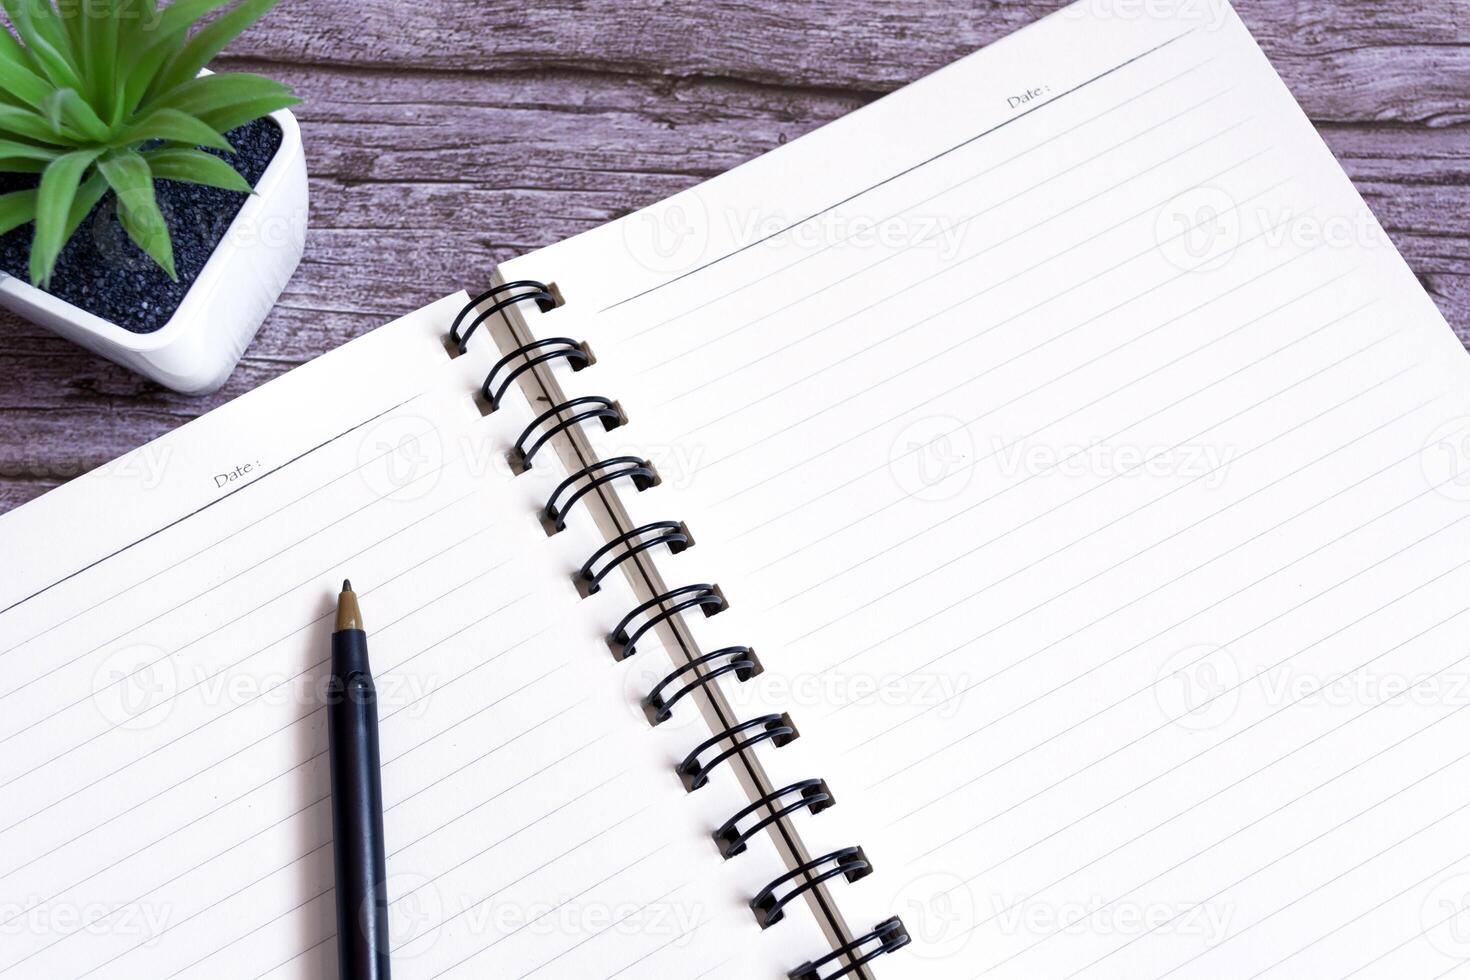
<point x="640" y="539"/>
<point x="640" y="471"/>
<point x="886" y="937"/>
<point x="776" y="729"/>
<point x="743" y="664"/>
<point x="554" y="347"/>
<point x="733" y="837"/>
<point x="811" y="795"/>
<point x="769" y="906"/>
<point x="540" y="293"/>
<point x="703" y="596"/>
<point x="606" y="410"/>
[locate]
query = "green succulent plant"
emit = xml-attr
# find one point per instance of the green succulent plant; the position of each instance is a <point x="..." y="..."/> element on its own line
<point x="106" y="95"/>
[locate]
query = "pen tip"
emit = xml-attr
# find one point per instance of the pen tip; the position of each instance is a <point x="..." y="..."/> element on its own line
<point x="349" y="616"/>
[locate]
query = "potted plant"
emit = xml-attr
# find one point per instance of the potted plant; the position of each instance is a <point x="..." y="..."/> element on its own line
<point x="150" y="210"/>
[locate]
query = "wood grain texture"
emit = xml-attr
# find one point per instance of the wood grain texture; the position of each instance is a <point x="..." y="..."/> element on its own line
<point x="446" y="136"/>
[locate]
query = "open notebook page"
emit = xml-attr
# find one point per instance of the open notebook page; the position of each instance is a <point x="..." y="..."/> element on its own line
<point x="163" y="641"/>
<point x="1088" y="470"/>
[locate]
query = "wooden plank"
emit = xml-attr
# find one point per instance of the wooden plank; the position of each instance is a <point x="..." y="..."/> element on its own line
<point x="1344" y="59"/>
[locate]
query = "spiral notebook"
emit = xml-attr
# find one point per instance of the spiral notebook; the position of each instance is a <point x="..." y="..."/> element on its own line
<point x="1018" y="530"/>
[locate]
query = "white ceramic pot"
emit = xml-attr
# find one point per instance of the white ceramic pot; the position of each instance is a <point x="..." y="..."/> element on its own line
<point x="195" y="351"/>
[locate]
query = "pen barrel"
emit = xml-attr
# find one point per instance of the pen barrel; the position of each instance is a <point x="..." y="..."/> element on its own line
<point x="357" y="812"/>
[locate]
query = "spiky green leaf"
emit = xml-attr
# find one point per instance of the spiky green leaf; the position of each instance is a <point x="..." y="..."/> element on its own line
<point x="25" y="124"/>
<point x="87" y="197"/>
<point x="67" y="111"/>
<point x="46" y="42"/>
<point x="16" y="79"/>
<point x="16" y="209"/>
<point x="53" y="209"/>
<point x="145" y="67"/>
<point x="17" y="150"/>
<point x="24" y="158"/>
<point x="131" y="179"/>
<point x="229" y="117"/>
<point x="181" y="15"/>
<point x="196" y="167"/>
<point x="172" y="126"/>
<point x="229" y="100"/>
<point x="207" y="42"/>
<point x="154" y="38"/>
<point x="98" y="31"/>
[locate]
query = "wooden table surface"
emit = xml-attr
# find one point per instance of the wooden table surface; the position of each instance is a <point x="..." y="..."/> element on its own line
<point x="447" y="135"/>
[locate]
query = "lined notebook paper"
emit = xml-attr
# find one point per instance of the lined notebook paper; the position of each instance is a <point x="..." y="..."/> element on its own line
<point x="1085" y="467"/>
<point x="1089" y="472"/>
<point x="163" y="640"/>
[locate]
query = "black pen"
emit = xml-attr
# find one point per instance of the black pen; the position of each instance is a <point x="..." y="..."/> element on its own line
<point x="357" y="800"/>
